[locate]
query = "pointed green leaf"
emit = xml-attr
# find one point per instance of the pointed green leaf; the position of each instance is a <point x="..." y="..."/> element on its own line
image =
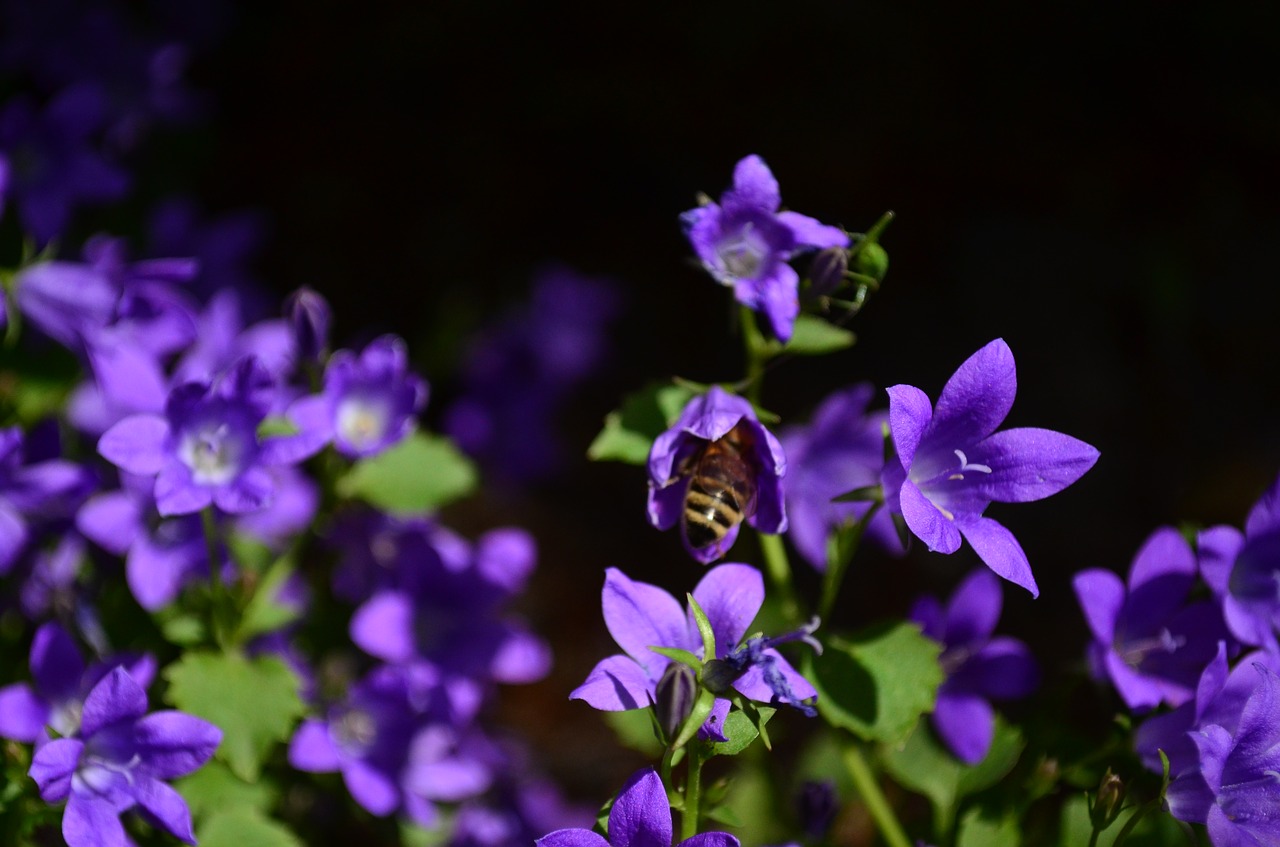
<point x="877" y="684"/>
<point x="977" y="829"/>
<point x="244" y="827"/>
<point x="741" y="729"/>
<point x="253" y="701"/>
<point x="812" y="336"/>
<point x="420" y="474"/>
<point x="704" y="627"/>
<point x="676" y="654"/>
<point x="214" y="787"/>
<point x="264" y="612"/>
<point x="629" y="432"/>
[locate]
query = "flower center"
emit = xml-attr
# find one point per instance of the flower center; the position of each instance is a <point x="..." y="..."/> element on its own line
<point x="213" y="453"/>
<point x="1134" y="652"/>
<point x="355" y="731"/>
<point x="743" y="253"/>
<point x="362" y="422"/>
<point x="65" y="717"/>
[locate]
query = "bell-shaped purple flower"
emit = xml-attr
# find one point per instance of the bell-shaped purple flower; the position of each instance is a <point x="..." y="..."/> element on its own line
<point x="640" y="817"/>
<point x="979" y="667"/>
<point x="368" y="404"/>
<point x="1148" y="639"/>
<point x="745" y="242"/>
<point x="120" y="760"/>
<point x="842" y="449"/>
<point x="1242" y="570"/>
<point x="31" y="492"/>
<point x="205" y="449"/>
<point x="639" y="616"/>
<point x="951" y="463"/>
<point x="746" y="476"/>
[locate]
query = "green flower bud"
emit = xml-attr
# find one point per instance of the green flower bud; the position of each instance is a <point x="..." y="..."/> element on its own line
<point x="872" y="260"/>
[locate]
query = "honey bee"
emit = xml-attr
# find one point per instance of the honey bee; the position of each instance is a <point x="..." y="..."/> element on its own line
<point x="721" y="491"/>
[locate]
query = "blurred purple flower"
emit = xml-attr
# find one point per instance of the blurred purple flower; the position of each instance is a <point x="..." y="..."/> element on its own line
<point x="33" y="493"/>
<point x="841" y="449"/>
<point x="1243" y="571"/>
<point x="1148" y="639"/>
<point x="708" y="418"/>
<point x="639" y="616"/>
<point x="745" y="242"/>
<point x="120" y="760"/>
<point x="223" y="339"/>
<point x="978" y="667"/>
<point x="951" y="463"/>
<point x="640" y="817"/>
<point x="309" y="318"/>
<point x="368" y="404"/>
<point x="224" y="248"/>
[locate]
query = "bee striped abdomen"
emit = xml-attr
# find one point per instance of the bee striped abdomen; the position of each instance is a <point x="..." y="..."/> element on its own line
<point x="720" y="494"/>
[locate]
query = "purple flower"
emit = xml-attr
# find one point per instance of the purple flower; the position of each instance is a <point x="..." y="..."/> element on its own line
<point x="205" y="449"/>
<point x="640" y="817"/>
<point x="745" y="242"/>
<point x="309" y="318"/>
<point x="751" y="459"/>
<point x="368" y="404"/>
<point x="1233" y="789"/>
<point x="841" y="449"/>
<point x="120" y="760"/>
<point x="952" y="463"/>
<point x="31" y="492"/>
<point x="1243" y="571"/>
<point x="979" y="667"/>
<point x="639" y="616"/>
<point x="1148" y="639"/>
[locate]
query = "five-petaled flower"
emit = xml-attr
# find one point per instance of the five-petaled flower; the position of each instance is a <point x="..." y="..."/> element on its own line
<point x="745" y="242"/>
<point x="120" y="760"/>
<point x="951" y="463"/>
<point x="640" y="817"/>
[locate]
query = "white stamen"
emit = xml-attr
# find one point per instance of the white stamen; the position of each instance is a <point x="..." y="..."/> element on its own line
<point x="965" y="466"/>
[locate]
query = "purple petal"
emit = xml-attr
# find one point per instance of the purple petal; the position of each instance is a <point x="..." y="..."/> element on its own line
<point x="615" y="684"/>
<point x="754" y="188"/>
<point x="909" y="415"/>
<point x="177" y="494"/>
<point x="312" y="749"/>
<point x="1000" y="551"/>
<point x="711" y="839"/>
<point x="174" y="743"/>
<point x="1217" y="548"/>
<point x="13" y="536"/>
<point x="371" y="788"/>
<point x="53" y="765"/>
<point x="447" y="780"/>
<point x="730" y="595"/>
<point x="712" y="728"/>
<point x="1137" y="691"/>
<point x="56" y="663"/>
<point x="780" y="300"/>
<point x="572" y="838"/>
<point x="166" y="806"/>
<point x="313" y="416"/>
<point x="1030" y="464"/>
<point x="978" y="396"/>
<point x="23" y="715"/>
<point x="966" y="725"/>
<point x="91" y="821"/>
<point x="1256" y="736"/>
<point x="926" y="522"/>
<point x="809" y="232"/>
<point x="521" y="658"/>
<point x="1003" y="670"/>
<point x="111" y="520"/>
<point x="752" y="684"/>
<point x="666" y="505"/>
<point x="639" y="616"/>
<point x="1165" y="552"/>
<point x="117" y="697"/>
<point x="1101" y="594"/>
<point x="974" y="609"/>
<point x="250" y="492"/>
<point x="641" y="816"/>
<point x="927" y="612"/>
<point x="156" y="572"/>
<point x="138" y="444"/>
<point x="383" y="627"/>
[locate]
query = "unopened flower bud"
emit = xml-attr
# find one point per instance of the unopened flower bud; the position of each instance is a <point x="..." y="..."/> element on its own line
<point x="1107" y="802"/>
<point x="827" y="270"/>
<point x="309" y="319"/>
<point x="677" y="692"/>
<point x="816" y="806"/>
<point x="872" y="260"/>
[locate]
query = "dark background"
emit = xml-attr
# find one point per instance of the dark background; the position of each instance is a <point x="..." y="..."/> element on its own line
<point x="1097" y="186"/>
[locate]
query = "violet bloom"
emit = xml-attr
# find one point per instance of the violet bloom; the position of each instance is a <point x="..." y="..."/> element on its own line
<point x="120" y="760"/>
<point x="62" y="682"/>
<point x="842" y="449"/>
<point x="1243" y="571"/>
<point x="979" y="667"/>
<point x="368" y="404"/>
<point x="952" y="464"/>
<point x="1233" y="789"/>
<point x="639" y="616"/>
<point x="640" y="817"/>
<point x="745" y="242"/>
<point x="709" y="418"/>
<point x="30" y="492"/>
<point x="205" y="449"/>
<point x="1148" y="639"/>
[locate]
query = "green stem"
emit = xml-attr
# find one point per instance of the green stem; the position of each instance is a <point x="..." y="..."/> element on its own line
<point x="838" y="564"/>
<point x="778" y="566"/>
<point x="218" y="591"/>
<point x="1129" y="825"/>
<point x="757" y="351"/>
<point x="692" y="793"/>
<point x="877" y="804"/>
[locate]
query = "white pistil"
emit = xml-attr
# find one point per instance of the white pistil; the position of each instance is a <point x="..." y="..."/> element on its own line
<point x="965" y="466"/>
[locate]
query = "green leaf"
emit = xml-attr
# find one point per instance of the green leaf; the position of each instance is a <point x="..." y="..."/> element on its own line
<point x="878" y="684"/>
<point x="244" y="827"/>
<point x="923" y="765"/>
<point x="979" y="830"/>
<point x="214" y="787"/>
<point x="183" y="630"/>
<point x="276" y="425"/>
<point x="253" y="701"/>
<point x="676" y="654"/>
<point x="697" y="717"/>
<point x="812" y="336"/>
<point x="704" y="627"/>
<point x="265" y="613"/>
<point x="635" y="730"/>
<point x="421" y="473"/>
<point x="629" y="432"/>
<point x="741" y="730"/>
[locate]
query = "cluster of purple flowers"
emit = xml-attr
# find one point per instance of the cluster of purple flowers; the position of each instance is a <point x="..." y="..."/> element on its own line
<point x="1211" y="660"/>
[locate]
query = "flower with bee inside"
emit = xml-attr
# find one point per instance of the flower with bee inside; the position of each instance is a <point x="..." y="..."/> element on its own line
<point x="715" y="468"/>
